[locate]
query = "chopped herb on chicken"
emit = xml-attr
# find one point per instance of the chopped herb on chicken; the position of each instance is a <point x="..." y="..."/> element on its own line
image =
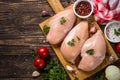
<point x="63" y="20"/>
<point x="78" y="38"/>
<point x="71" y="43"/>
<point x="46" y="29"/>
<point x="90" y="51"/>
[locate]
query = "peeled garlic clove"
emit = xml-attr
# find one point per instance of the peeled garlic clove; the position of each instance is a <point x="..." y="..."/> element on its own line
<point x="69" y="68"/>
<point x="35" y="74"/>
<point x="93" y="30"/>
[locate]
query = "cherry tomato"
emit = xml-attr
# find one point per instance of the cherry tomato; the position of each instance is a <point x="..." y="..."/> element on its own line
<point x="118" y="47"/>
<point x="39" y="63"/>
<point x="42" y="52"/>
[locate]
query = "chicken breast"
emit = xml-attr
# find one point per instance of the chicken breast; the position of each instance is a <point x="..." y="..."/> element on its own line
<point x="93" y="52"/>
<point x="73" y="42"/>
<point x="60" y="25"/>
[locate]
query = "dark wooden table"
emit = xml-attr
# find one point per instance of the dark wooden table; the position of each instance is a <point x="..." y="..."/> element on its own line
<point x="19" y="31"/>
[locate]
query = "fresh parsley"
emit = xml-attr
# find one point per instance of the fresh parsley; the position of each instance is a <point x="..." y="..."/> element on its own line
<point x="33" y="53"/>
<point x="71" y="43"/>
<point x="99" y="76"/>
<point x="68" y="1"/>
<point x="54" y="71"/>
<point x="76" y="78"/>
<point x="90" y="51"/>
<point x="62" y="21"/>
<point x="78" y="38"/>
<point x="46" y="29"/>
<point x="117" y="32"/>
<point x="119" y="29"/>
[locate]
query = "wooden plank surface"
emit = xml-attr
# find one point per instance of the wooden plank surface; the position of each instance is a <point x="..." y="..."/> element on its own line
<point x="19" y="30"/>
<point x="81" y="75"/>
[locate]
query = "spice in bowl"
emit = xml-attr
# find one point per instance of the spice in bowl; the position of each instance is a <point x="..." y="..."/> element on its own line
<point x="112" y="31"/>
<point x="83" y="8"/>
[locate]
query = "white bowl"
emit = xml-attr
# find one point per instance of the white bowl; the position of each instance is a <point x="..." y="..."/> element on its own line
<point x="77" y="2"/>
<point x="109" y="31"/>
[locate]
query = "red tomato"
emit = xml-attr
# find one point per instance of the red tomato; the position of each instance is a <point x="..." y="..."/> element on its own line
<point x="39" y="63"/>
<point x="118" y="47"/>
<point x="42" y="52"/>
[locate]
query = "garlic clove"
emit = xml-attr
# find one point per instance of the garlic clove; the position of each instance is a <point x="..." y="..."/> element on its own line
<point x="69" y="68"/>
<point x="45" y="13"/>
<point x="35" y="74"/>
<point x="111" y="58"/>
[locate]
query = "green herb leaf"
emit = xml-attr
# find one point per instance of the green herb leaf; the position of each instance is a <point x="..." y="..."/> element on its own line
<point x="99" y="76"/>
<point x="119" y="29"/>
<point x="71" y="43"/>
<point x="46" y="29"/>
<point x="117" y="32"/>
<point x="62" y="21"/>
<point x="33" y="53"/>
<point x="90" y="51"/>
<point x="78" y="38"/>
<point x="76" y="78"/>
<point x="54" y="71"/>
<point x="68" y="1"/>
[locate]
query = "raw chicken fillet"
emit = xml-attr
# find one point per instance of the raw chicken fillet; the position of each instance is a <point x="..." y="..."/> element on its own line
<point x="79" y="34"/>
<point x="97" y="43"/>
<point x="58" y="31"/>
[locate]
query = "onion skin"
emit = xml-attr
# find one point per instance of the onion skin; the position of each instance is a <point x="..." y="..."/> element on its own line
<point x="112" y="72"/>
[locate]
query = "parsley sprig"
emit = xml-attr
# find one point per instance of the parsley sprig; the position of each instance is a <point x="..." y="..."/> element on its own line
<point x="54" y="71"/>
<point x="90" y="51"/>
<point x="63" y="20"/>
<point x="117" y="32"/>
<point x="78" y="38"/>
<point x="71" y="43"/>
<point x="46" y="29"/>
<point x="76" y="78"/>
<point x="99" y="76"/>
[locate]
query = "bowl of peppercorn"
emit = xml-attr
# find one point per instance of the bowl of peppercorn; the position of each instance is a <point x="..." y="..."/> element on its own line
<point x="83" y="8"/>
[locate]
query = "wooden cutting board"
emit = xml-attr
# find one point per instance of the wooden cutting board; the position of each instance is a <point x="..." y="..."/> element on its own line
<point x="57" y="7"/>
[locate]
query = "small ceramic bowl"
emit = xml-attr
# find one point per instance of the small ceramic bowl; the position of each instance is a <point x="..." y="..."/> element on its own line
<point x="112" y="31"/>
<point x="83" y="8"/>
